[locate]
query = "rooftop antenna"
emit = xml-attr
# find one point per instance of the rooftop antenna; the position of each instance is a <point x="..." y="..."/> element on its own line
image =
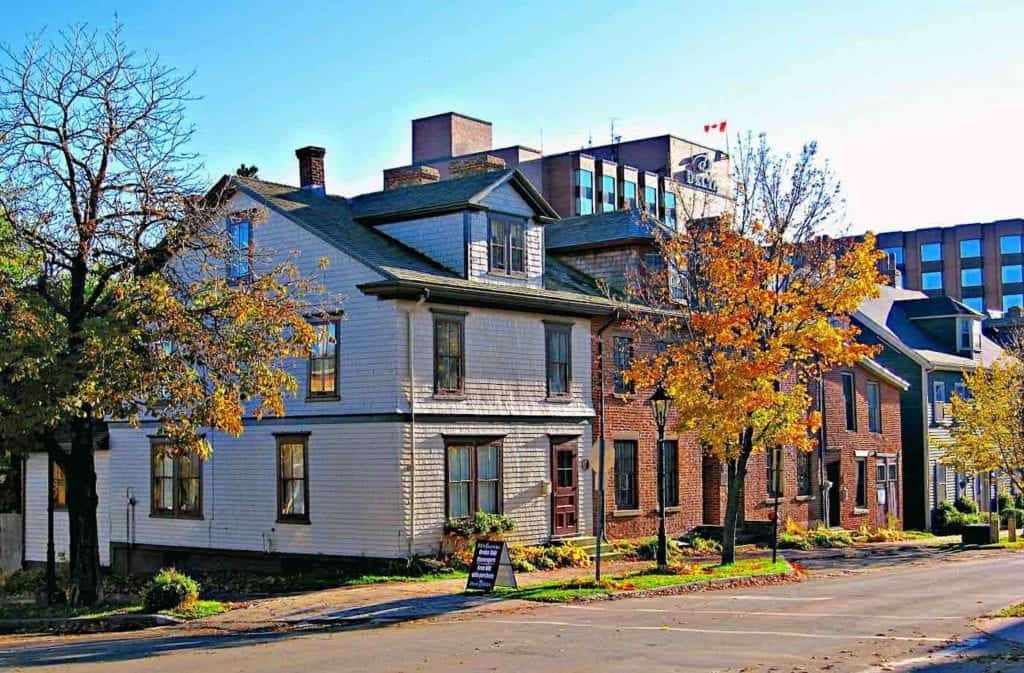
<point x="590" y="138"/>
<point x="615" y="138"/>
<point x="542" y="140"/>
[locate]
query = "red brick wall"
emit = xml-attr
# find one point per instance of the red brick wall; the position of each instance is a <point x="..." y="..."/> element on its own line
<point x="630" y="418"/>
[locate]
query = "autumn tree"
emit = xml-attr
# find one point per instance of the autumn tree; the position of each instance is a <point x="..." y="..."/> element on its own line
<point x="753" y="306"/>
<point x="114" y="302"/>
<point x="987" y="434"/>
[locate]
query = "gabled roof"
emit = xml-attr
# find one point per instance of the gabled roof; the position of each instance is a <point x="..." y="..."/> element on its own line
<point x="884" y="374"/>
<point x="930" y="308"/>
<point x="445" y="196"/>
<point x="887" y="318"/>
<point x="407" y="272"/>
<point x="618" y="227"/>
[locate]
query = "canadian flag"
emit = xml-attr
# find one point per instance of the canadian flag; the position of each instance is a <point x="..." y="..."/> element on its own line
<point x="720" y="127"/>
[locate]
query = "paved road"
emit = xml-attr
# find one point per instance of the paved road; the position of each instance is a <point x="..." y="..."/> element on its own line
<point x="852" y="622"/>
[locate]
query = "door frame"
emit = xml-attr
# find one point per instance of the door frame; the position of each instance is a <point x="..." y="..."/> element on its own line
<point x="559" y="443"/>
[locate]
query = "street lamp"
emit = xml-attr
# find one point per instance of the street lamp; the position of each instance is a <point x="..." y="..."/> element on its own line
<point x="660" y="403"/>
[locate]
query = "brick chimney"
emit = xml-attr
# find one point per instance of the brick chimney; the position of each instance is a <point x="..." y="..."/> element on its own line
<point x="311" y="167"/>
<point x="483" y="163"/>
<point x="407" y="176"/>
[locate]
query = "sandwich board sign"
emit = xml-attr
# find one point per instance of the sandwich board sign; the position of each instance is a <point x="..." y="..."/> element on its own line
<point x="491" y="567"/>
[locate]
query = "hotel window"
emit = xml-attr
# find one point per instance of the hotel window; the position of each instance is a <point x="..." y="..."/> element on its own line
<point x="292" y="479"/>
<point x="970" y="277"/>
<point x="323" y="361"/>
<point x="60" y="487"/>
<point x="176" y="483"/>
<point x="559" y="358"/>
<point x="670" y="209"/>
<point x="1013" y="273"/>
<point x="629" y="194"/>
<point x="474" y="479"/>
<point x="651" y="200"/>
<point x="931" y="252"/>
<point x="1012" y="301"/>
<point x="803" y="473"/>
<point x="622" y="352"/>
<point x="626" y="475"/>
<point x="862" y="483"/>
<point x="584" y="192"/>
<point x="931" y="280"/>
<point x="970" y="248"/>
<point x="897" y="254"/>
<point x="850" y="401"/>
<point x="607" y="193"/>
<point x="975" y="303"/>
<point x="671" y="447"/>
<point x="1009" y="245"/>
<point x="240" y="240"/>
<point x="449" y="354"/>
<point x="774" y="472"/>
<point x="507" y="247"/>
<point x="874" y="407"/>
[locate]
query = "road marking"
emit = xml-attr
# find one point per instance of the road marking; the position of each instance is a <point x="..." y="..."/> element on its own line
<point x="779" y="598"/>
<point x="759" y="613"/>
<point x="724" y="632"/>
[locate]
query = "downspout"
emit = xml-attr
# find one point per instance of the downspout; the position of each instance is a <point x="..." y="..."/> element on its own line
<point x="601" y="445"/>
<point x="826" y="515"/>
<point x="412" y="420"/>
<point x="926" y="449"/>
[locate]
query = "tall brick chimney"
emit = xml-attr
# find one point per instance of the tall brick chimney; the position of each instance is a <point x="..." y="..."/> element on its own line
<point x="311" y="167"/>
<point x="483" y="163"/>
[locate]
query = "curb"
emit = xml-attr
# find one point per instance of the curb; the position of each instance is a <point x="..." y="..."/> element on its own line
<point x="74" y="625"/>
<point x="692" y="587"/>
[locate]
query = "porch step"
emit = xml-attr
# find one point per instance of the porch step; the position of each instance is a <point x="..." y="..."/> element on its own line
<point x="589" y="545"/>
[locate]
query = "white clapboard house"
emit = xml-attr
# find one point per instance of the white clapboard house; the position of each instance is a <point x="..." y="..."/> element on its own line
<point x="458" y="380"/>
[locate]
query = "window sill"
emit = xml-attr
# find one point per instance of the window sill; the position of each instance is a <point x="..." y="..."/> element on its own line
<point x="521" y="275"/>
<point x="803" y="498"/>
<point x="626" y="512"/>
<point x="183" y="517"/>
<point x="299" y="522"/>
<point x="449" y="398"/>
<point x="673" y="510"/>
<point x="323" y="398"/>
<point x="774" y="501"/>
<point x="861" y="510"/>
<point x="560" y="399"/>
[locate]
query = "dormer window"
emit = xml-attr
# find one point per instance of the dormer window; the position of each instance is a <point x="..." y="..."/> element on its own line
<point x="969" y="335"/>
<point x="507" y="246"/>
<point x="240" y="253"/>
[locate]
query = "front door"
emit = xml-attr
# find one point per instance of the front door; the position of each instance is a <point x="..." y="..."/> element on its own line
<point x="886" y="491"/>
<point x="565" y="490"/>
<point x="832" y="474"/>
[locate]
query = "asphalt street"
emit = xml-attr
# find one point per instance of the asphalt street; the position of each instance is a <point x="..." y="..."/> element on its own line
<point x="858" y="620"/>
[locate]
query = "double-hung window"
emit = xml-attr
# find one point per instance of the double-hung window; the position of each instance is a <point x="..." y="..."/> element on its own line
<point x="558" y="348"/>
<point x="626" y="466"/>
<point x="177" y="482"/>
<point x="324" y="360"/>
<point x="241" y="248"/>
<point x="474" y="478"/>
<point x="803" y="473"/>
<point x="670" y="209"/>
<point x="651" y="200"/>
<point x="629" y="194"/>
<point x="292" y="478"/>
<point x="850" y="401"/>
<point x="449" y="354"/>
<point x="874" y="407"/>
<point x="59" y="487"/>
<point x="507" y="246"/>
<point x="862" y="483"/>
<point x="671" y="448"/>
<point x="607" y="193"/>
<point x="774" y="472"/>
<point x="968" y="334"/>
<point x="584" y="192"/>
<point x="622" y="352"/>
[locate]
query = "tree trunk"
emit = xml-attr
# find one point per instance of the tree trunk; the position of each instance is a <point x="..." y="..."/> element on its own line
<point x="82" y="501"/>
<point x="734" y="500"/>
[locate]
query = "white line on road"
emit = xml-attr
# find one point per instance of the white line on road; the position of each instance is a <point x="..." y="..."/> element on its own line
<point x="795" y="599"/>
<point x="765" y="614"/>
<point x="725" y="632"/>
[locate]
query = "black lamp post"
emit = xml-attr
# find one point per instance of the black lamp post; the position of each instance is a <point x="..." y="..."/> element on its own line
<point x="660" y="403"/>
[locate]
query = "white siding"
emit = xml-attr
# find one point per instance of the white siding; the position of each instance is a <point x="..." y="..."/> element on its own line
<point x="441" y="238"/>
<point x="35" y="510"/>
<point x="354" y="492"/>
<point x="526" y="458"/>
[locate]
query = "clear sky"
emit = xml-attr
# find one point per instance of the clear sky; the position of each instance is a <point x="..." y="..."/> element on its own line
<point x="918" y="105"/>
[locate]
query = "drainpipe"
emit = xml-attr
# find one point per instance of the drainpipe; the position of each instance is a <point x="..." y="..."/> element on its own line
<point x="926" y="451"/>
<point x="822" y="443"/>
<point x="601" y="445"/>
<point x="412" y="420"/>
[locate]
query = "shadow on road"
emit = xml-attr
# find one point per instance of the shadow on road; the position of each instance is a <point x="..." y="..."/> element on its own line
<point x="865" y="558"/>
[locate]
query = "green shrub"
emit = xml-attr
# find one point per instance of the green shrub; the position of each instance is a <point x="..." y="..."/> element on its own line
<point x="527" y="559"/>
<point x="793" y="541"/>
<point x="170" y="590"/>
<point x="1018" y="515"/>
<point x="1005" y="501"/>
<point x="966" y="505"/>
<point x="950" y="518"/>
<point x="23" y="581"/>
<point x="480" y="525"/>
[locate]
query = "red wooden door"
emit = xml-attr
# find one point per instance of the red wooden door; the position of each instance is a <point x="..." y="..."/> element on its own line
<point x="565" y="489"/>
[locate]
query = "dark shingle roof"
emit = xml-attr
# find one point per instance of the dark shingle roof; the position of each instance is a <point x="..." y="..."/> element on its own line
<point x="936" y="307"/>
<point x="453" y="194"/>
<point x="602" y="228"/>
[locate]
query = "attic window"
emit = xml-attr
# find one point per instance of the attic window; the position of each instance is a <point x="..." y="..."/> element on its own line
<point x="506" y="246"/>
<point x="969" y="335"/>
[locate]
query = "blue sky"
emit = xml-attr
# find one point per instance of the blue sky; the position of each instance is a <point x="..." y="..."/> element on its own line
<point x="918" y="105"/>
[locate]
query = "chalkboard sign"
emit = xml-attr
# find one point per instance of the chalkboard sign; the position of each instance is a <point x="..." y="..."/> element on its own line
<point x="491" y="567"/>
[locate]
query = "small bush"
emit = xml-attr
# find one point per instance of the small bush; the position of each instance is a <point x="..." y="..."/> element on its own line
<point x="793" y="541"/>
<point x="23" y="582"/>
<point x="527" y="559"/>
<point x="1018" y="515"/>
<point x="483" y="524"/>
<point x="797" y="536"/>
<point x="170" y="590"/>
<point x="950" y="518"/>
<point x="966" y="505"/>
